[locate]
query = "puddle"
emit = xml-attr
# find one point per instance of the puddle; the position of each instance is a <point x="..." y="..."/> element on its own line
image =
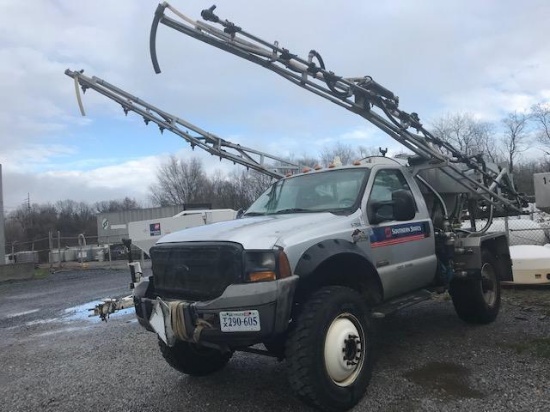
<point x="76" y="313"/>
<point x="449" y="379"/>
<point x="82" y="312"/>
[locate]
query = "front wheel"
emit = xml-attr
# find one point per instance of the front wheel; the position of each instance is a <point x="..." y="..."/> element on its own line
<point x="478" y="300"/>
<point x="194" y="360"/>
<point x="329" y="350"/>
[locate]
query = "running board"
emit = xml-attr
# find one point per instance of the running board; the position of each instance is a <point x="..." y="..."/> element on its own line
<point x="400" y="303"/>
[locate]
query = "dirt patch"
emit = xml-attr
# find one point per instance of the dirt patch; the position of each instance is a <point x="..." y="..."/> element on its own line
<point x="448" y="379"/>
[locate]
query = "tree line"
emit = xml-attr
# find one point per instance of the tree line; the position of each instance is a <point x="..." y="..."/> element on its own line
<point x="35" y="221"/>
<point x="503" y="142"/>
<point x="186" y="182"/>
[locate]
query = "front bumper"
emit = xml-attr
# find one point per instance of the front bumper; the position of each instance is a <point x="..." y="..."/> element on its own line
<point x="272" y="300"/>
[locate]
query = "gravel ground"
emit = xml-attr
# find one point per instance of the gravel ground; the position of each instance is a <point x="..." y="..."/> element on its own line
<point x="54" y="358"/>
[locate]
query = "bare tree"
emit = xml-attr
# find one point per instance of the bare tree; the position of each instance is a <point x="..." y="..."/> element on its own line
<point x="346" y="153"/>
<point x="366" y="151"/>
<point x="307" y="161"/>
<point x="466" y="134"/>
<point x="254" y="184"/>
<point x="76" y="217"/>
<point x="34" y="221"/>
<point x="540" y="113"/>
<point x="341" y="150"/>
<point x="180" y="182"/>
<point x="523" y="176"/>
<point x="105" y="206"/>
<point x="515" y="136"/>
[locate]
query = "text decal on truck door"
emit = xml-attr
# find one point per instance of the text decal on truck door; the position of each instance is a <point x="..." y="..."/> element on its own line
<point x="392" y="235"/>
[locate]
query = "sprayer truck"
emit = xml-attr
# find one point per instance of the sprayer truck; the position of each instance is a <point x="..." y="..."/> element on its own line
<point x="323" y="251"/>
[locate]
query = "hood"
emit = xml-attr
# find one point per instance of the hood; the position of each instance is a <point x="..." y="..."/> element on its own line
<point x="258" y="232"/>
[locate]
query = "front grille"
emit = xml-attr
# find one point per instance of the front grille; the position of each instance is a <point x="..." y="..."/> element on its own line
<point x="196" y="270"/>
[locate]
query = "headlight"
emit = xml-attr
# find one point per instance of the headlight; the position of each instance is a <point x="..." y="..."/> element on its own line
<point x="266" y="265"/>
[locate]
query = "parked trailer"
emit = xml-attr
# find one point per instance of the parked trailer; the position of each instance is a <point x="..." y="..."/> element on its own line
<point x="145" y="233"/>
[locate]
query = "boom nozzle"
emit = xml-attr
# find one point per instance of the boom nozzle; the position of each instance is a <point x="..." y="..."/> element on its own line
<point x="208" y="14"/>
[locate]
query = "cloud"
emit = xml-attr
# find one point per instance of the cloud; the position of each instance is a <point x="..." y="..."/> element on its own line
<point x="486" y="58"/>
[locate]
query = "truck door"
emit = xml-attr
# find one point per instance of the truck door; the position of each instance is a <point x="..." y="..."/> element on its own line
<point x="403" y="252"/>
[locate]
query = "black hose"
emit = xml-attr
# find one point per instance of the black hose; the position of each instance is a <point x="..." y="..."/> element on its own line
<point x="330" y="78"/>
<point x="159" y="14"/>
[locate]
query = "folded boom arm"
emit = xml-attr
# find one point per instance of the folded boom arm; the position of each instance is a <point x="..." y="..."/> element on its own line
<point x="360" y="95"/>
<point x="265" y="163"/>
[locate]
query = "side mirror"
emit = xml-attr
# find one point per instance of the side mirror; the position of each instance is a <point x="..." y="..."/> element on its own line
<point x="400" y="208"/>
<point x="403" y="205"/>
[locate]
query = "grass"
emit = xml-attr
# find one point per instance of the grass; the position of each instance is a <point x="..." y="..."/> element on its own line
<point x="41" y="273"/>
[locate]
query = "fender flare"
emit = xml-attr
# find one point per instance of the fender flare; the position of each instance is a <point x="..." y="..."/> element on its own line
<point x="319" y="253"/>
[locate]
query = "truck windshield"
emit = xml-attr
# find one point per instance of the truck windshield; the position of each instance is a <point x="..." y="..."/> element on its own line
<point x="328" y="191"/>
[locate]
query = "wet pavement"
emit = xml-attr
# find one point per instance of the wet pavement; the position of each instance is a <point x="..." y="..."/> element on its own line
<point x="53" y="357"/>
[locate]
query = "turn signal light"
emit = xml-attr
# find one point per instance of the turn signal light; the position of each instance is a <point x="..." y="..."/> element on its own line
<point x="262" y="276"/>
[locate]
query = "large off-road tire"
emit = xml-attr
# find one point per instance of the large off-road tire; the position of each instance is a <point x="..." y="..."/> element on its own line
<point x="194" y="360"/>
<point x="329" y="349"/>
<point x="478" y="300"/>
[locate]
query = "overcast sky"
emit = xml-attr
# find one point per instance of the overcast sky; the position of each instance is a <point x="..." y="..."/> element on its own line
<point x="482" y="57"/>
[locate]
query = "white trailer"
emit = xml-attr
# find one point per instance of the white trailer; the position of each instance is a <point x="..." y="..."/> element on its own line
<point x="145" y="233"/>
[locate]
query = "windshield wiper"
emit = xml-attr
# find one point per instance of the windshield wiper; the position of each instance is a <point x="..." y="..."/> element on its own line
<point x="254" y="214"/>
<point x="291" y="210"/>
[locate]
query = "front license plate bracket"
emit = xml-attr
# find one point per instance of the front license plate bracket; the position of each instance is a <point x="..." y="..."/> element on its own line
<point x="240" y="321"/>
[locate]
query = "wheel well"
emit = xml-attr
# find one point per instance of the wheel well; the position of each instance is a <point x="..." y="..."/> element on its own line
<point x="344" y="269"/>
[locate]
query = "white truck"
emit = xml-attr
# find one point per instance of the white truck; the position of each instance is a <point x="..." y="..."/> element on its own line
<point x="309" y="264"/>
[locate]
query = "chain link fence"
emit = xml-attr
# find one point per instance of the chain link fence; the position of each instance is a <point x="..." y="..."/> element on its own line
<point x="532" y="229"/>
<point x="57" y="248"/>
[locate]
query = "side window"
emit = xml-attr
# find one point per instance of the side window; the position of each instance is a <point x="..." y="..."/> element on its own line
<point x="385" y="183"/>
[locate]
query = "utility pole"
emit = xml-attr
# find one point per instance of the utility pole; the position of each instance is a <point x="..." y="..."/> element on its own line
<point x="28" y="220"/>
<point x="2" y="232"/>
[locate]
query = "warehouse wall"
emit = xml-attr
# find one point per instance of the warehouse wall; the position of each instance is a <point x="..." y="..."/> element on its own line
<point x="113" y="226"/>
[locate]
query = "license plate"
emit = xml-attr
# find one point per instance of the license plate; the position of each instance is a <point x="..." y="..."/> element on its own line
<point x="241" y="321"/>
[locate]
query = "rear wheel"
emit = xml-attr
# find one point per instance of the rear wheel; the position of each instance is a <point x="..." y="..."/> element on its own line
<point x="329" y="351"/>
<point x="192" y="359"/>
<point x="478" y="300"/>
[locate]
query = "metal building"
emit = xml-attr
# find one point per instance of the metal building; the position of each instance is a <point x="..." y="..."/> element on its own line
<point x="112" y="227"/>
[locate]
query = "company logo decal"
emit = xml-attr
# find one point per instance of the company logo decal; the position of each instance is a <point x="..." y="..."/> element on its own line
<point x="154" y="229"/>
<point x="393" y="235"/>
